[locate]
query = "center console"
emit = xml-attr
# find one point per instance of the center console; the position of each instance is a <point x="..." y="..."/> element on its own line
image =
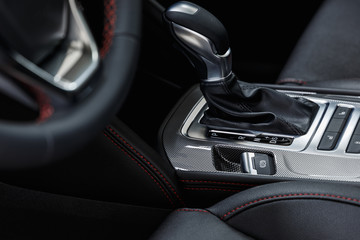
<point x="330" y="150"/>
<point x="226" y="134"/>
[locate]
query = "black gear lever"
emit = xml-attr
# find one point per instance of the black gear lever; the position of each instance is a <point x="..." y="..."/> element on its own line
<point x="233" y="104"/>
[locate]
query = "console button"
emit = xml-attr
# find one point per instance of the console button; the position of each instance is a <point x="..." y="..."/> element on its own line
<point x="328" y="141"/>
<point x="354" y="145"/>
<point x="336" y="125"/>
<point x="342" y="112"/>
<point x="276" y="140"/>
<point x="218" y="135"/>
<point x="264" y="164"/>
<point x="334" y="128"/>
<point x="230" y="135"/>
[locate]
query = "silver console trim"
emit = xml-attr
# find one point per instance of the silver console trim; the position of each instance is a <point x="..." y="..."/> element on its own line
<point x="193" y="129"/>
<point x="248" y="163"/>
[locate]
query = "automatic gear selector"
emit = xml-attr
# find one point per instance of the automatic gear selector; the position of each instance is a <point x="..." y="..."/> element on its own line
<point x="233" y="105"/>
<point x="203" y="39"/>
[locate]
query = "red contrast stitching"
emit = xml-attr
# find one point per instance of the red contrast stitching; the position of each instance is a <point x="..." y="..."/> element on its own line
<point x="190" y="210"/>
<point x="157" y="183"/>
<point x="289" y="195"/>
<point x="46" y="110"/>
<point x="149" y="163"/>
<point x="213" y="189"/>
<point x="292" y="80"/>
<point x="216" y="182"/>
<point x="109" y="26"/>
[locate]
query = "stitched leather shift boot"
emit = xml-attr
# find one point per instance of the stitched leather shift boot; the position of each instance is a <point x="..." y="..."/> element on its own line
<point x="236" y="105"/>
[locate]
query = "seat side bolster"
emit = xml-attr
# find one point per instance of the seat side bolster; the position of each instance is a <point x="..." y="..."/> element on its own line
<point x="196" y="224"/>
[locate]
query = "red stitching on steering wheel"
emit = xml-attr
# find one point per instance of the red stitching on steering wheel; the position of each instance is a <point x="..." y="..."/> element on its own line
<point x="109" y="26"/>
<point x="46" y="110"/>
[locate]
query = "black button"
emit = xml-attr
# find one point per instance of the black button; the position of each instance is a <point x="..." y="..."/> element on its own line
<point x="217" y="135"/>
<point x="336" y="125"/>
<point x="270" y="139"/>
<point x="285" y="141"/>
<point x="342" y="112"/>
<point x="354" y="145"/>
<point x="240" y="137"/>
<point x="229" y="135"/>
<point x="236" y="137"/>
<point x="264" y="164"/>
<point x="257" y="139"/>
<point x="328" y="141"/>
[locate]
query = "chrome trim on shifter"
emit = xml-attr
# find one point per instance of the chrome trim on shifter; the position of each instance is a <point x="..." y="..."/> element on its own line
<point x="218" y="66"/>
<point x="183" y="8"/>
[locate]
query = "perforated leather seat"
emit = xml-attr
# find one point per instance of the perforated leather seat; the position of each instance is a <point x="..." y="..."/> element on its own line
<point x="289" y="210"/>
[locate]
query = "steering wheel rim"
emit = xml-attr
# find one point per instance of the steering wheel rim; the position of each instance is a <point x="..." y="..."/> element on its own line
<point x="26" y="145"/>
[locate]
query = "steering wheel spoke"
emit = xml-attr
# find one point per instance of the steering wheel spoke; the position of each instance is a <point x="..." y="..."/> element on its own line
<point x="57" y="77"/>
<point x="29" y="90"/>
<point x="49" y="61"/>
<point x="68" y="65"/>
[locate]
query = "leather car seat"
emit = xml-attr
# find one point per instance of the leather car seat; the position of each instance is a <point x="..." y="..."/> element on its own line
<point x="287" y="210"/>
<point x="327" y="54"/>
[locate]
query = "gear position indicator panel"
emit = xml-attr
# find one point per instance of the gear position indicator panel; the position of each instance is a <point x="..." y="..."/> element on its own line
<point x="258" y="138"/>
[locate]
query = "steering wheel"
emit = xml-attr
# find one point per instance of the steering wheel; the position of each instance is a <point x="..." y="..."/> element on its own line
<point x="47" y="49"/>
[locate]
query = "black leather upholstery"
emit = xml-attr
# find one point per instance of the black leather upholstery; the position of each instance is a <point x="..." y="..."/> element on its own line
<point x="142" y="178"/>
<point x="288" y="210"/>
<point x="194" y="224"/>
<point x="327" y="55"/>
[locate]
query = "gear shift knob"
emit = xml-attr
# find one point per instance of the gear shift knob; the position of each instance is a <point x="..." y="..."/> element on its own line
<point x="233" y="105"/>
<point x="203" y="39"/>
